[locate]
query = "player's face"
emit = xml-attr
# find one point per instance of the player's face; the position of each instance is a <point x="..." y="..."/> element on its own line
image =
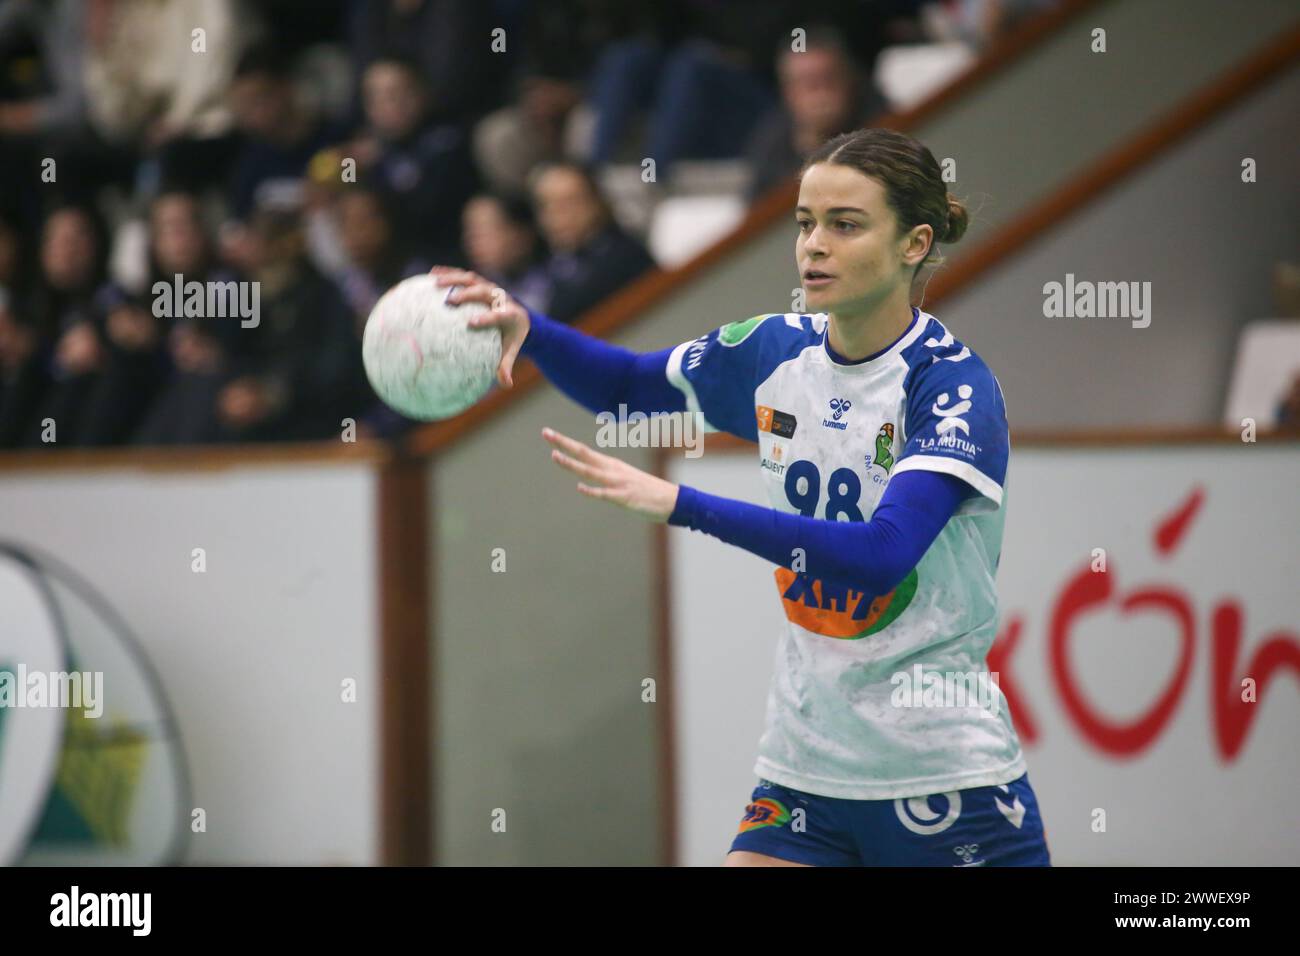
<point x="848" y="251"/>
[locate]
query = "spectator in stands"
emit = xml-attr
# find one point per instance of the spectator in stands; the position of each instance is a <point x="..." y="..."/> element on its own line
<point x="100" y="373"/>
<point x="823" y="94"/>
<point x="129" y="83"/>
<point x="302" y="373"/>
<point x="45" y="116"/>
<point x="703" y="91"/>
<point x="425" y="167"/>
<point x="447" y="42"/>
<point x="377" y="257"/>
<point x="64" y="309"/>
<point x="591" y="257"/>
<point x="558" y="50"/>
<point x="501" y="240"/>
<point x="24" y="376"/>
<point x="133" y="368"/>
<point x="200" y="349"/>
<point x="170" y="101"/>
<point x="280" y="138"/>
<point x="142" y="84"/>
<point x="15" y="271"/>
<point x="376" y="261"/>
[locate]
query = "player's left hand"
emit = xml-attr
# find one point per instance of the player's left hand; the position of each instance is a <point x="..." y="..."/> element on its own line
<point x="611" y="479"/>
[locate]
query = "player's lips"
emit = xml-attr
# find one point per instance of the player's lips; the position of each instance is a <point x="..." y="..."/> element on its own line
<point x="816" y="278"/>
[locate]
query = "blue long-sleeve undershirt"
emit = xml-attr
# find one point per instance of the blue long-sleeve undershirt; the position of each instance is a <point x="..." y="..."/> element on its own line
<point x="872" y="556"/>
<point x="597" y="375"/>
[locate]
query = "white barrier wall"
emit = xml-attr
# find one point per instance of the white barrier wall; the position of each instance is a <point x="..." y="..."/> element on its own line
<point x="1126" y="686"/>
<point x="251" y="652"/>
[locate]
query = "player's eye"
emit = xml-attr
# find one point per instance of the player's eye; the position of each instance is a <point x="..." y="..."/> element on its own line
<point x="847" y="222"/>
<point x="803" y="224"/>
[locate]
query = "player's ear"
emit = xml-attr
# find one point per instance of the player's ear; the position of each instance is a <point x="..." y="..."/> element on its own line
<point x="916" y="244"/>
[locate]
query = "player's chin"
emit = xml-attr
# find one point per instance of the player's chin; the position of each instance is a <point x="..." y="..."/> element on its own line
<point x="823" y="297"/>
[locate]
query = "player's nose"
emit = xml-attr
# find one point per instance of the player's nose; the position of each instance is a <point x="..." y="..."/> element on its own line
<point x="814" y="245"/>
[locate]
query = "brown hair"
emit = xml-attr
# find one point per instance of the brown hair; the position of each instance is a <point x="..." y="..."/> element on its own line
<point x="914" y="186"/>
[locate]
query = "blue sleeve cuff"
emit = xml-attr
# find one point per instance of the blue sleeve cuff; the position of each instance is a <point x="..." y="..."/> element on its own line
<point x="540" y="333"/>
<point x="683" y="515"/>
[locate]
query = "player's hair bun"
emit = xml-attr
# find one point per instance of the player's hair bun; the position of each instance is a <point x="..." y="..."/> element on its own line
<point x="958" y="220"/>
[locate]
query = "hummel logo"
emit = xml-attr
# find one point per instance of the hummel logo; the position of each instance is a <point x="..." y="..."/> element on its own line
<point x="967" y="854"/>
<point x="839" y="407"/>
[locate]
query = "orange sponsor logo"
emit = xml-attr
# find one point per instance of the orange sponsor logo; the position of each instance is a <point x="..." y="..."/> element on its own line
<point x="837" y="611"/>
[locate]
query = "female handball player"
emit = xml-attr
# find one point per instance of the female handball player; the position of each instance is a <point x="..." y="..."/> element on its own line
<point x="883" y="444"/>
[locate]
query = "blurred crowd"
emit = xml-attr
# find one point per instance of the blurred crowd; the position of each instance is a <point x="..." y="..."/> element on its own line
<point x="325" y="149"/>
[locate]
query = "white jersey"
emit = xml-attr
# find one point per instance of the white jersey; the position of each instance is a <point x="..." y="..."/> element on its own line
<point x="851" y="668"/>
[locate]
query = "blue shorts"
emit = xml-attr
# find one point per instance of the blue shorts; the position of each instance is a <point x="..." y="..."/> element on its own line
<point x="984" y="826"/>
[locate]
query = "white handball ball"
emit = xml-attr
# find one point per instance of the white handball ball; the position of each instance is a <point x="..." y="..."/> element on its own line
<point x="420" y="354"/>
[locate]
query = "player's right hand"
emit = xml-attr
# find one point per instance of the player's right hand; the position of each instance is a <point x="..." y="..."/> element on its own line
<point x="506" y="313"/>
